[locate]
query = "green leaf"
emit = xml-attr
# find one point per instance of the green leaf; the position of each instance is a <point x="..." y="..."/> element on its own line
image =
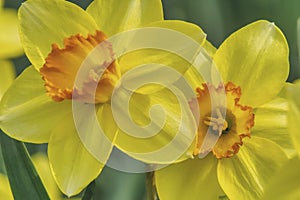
<point x="2" y="167"/>
<point x="23" y="178"/>
<point x="89" y="192"/>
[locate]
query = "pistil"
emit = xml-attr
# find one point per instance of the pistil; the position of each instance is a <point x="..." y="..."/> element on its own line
<point x="218" y="123"/>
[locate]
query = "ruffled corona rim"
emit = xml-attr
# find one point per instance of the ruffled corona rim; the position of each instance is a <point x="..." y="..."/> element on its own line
<point x="231" y="129"/>
<point x="63" y="64"/>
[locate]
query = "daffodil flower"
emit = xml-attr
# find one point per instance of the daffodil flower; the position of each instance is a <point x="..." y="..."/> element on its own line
<point x="253" y="63"/>
<point x="57" y="37"/>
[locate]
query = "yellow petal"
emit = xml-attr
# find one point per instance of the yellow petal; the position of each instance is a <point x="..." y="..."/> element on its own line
<point x="26" y="112"/>
<point x="193" y="179"/>
<point x="73" y="166"/>
<point x="246" y="175"/>
<point x="45" y="22"/>
<point x="9" y="35"/>
<point x="256" y="59"/>
<point x="294" y="114"/>
<point x="5" y="191"/>
<point x="271" y="123"/>
<point x="189" y="32"/>
<point x="42" y="167"/>
<point x="209" y="48"/>
<point x="153" y="128"/>
<point x="7" y="75"/>
<point x="175" y="44"/>
<point x="115" y="16"/>
<point x="201" y="70"/>
<point x="100" y="126"/>
<point x="285" y="184"/>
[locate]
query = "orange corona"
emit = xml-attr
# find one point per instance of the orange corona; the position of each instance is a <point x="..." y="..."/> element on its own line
<point x="62" y="65"/>
<point x="231" y="128"/>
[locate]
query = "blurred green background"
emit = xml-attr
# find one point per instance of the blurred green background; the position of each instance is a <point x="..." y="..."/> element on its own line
<point x="218" y="18"/>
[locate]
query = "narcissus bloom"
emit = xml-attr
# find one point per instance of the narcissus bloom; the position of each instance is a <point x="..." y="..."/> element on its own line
<point x="57" y="37"/>
<point x="253" y="63"/>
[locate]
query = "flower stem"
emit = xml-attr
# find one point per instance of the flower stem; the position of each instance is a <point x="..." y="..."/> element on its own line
<point x="150" y="185"/>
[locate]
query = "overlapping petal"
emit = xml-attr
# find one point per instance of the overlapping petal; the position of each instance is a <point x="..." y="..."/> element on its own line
<point x="245" y="175"/>
<point x="115" y="16"/>
<point x="203" y="66"/>
<point x="72" y="165"/>
<point x="44" y="22"/>
<point x="256" y="59"/>
<point x="175" y="45"/>
<point x="192" y="179"/>
<point x="96" y="128"/>
<point x="27" y="113"/>
<point x="154" y="128"/>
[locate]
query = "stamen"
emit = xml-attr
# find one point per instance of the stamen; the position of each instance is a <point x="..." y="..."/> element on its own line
<point x="229" y="129"/>
<point x="219" y="113"/>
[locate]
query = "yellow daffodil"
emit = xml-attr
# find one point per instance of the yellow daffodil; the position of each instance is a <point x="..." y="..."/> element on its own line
<point x="285" y="184"/>
<point x="253" y="63"/>
<point x="57" y="37"/>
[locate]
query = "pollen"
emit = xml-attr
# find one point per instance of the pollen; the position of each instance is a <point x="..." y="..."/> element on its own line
<point x="62" y="66"/>
<point x="230" y="123"/>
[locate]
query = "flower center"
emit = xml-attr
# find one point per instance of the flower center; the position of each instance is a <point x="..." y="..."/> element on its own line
<point x="230" y="124"/>
<point x="218" y="123"/>
<point x="62" y="66"/>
